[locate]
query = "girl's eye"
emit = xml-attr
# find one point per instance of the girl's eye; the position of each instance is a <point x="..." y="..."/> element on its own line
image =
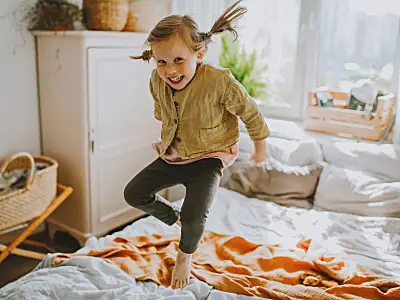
<point x="161" y="62"/>
<point x="178" y="59"/>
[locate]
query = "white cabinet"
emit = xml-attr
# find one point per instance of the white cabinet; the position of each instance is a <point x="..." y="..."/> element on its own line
<point x="97" y="121"/>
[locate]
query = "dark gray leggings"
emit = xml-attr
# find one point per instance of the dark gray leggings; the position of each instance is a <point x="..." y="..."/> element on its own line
<point x="201" y="179"/>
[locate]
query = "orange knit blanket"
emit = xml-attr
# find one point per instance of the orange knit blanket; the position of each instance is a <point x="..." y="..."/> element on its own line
<point x="233" y="264"/>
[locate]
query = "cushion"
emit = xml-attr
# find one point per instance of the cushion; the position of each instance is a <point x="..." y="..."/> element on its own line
<point x="273" y="181"/>
<point x="282" y="129"/>
<point x="380" y="159"/>
<point x="290" y="152"/>
<point x="357" y="192"/>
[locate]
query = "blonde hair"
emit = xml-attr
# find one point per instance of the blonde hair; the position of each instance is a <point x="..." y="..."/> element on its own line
<point x="187" y="29"/>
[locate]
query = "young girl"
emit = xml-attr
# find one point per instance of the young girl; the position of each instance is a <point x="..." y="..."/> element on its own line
<point x="198" y="105"/>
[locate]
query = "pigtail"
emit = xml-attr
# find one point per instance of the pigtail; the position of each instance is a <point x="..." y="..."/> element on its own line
<point x="147" y="55"/>
<point x="224" y="22"/>
<point x="188" y="30"/>
<point x="205" y="36"/>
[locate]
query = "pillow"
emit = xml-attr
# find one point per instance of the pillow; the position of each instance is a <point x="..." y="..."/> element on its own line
<point x="290" y="152"/>
<point x="383" y="159"/>
<point x="357" y="192"/>
<point x="273" y="181"/>
<point x="282" y="129"/>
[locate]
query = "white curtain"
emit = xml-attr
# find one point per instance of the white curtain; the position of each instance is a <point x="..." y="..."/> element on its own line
<point x="271" y="28"/>
<point x="204" y="12"/>
<point x="359" y="40"/>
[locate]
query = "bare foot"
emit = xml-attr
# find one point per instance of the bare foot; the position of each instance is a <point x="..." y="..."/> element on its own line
<point x="181" y="272"/>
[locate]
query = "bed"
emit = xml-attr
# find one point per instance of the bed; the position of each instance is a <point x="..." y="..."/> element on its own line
<point x="373" y="242"/>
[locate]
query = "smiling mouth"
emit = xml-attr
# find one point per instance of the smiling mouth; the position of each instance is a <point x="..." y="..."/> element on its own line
<point x="176" y="80"/>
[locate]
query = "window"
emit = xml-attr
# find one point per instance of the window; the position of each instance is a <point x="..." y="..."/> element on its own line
<point x="359" y="40"/>
<point x="271" y="28"/>
<point x="311" y="43"/>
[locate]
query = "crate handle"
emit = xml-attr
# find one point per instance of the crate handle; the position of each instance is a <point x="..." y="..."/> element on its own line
<point x="16" y="156"/>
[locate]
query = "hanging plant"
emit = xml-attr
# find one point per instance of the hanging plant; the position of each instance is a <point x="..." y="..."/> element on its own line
<point x="53" y="15"/>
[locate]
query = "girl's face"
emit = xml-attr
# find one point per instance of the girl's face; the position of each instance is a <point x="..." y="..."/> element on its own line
<point x="176" y="65"/>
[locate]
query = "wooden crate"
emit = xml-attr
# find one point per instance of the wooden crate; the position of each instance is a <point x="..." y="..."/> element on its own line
<point x="349" y="123"/>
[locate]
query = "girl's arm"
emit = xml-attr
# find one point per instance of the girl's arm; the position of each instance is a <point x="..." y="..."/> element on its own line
<point x="239" y="103"/>
<point x="157" y="109"/>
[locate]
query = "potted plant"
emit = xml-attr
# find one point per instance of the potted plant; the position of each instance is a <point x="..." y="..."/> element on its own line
<point x="244" y="68"/>
<point x="53" y="15"/>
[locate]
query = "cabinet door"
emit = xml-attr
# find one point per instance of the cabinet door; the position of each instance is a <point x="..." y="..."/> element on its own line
<point x="122" y="131"/>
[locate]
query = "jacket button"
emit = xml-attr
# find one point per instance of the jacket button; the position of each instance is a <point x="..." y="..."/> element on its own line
<point x="176" y="121"/>
<point x="178" y="140"/>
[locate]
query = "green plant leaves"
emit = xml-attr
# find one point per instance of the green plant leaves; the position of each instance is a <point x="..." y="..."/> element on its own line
<point x="244" y="68"/>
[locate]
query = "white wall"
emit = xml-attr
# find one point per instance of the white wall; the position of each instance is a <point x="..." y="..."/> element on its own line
<point x="19" y="116"/>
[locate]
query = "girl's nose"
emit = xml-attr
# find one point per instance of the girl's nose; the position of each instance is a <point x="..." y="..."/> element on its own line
<point x="171" y="68"/>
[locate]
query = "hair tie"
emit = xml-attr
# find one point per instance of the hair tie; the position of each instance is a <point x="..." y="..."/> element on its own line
<point x="147" y="55"/>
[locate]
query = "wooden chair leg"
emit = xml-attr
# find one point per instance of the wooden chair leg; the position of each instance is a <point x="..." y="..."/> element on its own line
<point x="53" y="205"/>
<point x="37" y="244"/>
<point x="25" y="253"/>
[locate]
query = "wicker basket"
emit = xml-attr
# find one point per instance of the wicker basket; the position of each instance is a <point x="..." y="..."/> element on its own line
<point x="105" y="15"/>
<point x="148" y="13"/>
<point x="23" y="205"/>
<point x="131" y="21"/>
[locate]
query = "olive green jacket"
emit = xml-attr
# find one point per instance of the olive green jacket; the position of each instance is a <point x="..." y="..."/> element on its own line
<point x="203" y="117"/>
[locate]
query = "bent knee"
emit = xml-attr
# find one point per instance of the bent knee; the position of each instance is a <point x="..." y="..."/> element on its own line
<point x="131" y="194"/>
<point x="136" y="195"/>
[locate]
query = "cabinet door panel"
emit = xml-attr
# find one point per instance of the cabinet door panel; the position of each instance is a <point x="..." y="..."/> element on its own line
<point x="122" y="130"/>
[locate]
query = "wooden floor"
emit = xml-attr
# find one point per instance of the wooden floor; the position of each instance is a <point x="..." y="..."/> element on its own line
<point x="14" y="267"/>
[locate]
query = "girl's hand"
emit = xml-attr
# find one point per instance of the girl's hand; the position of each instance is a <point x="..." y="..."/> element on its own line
<point x="260" y="152"/>
<point x="259" y="157"/>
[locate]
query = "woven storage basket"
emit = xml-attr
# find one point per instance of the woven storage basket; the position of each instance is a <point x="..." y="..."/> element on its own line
<point x="147" y="13"/>
<point x="131" y="20"/>
<point x="105" y="15"/>
<point x="25" y="204"/>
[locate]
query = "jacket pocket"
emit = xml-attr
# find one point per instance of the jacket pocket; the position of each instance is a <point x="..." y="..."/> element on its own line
<point x="217" y="137"/>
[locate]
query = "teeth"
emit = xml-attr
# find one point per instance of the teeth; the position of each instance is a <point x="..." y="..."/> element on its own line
<point x="176" y="78"/>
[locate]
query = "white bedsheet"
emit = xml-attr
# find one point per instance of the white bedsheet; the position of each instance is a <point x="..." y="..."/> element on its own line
<point x="372" y="242"/>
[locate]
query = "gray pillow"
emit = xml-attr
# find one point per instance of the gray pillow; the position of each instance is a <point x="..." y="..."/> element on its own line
<point x="274" y="181"/>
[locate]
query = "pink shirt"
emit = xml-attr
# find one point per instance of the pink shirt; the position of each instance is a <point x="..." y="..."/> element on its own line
<point x="171" y="156"/>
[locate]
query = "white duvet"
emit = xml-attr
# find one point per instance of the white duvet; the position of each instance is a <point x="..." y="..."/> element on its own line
<point x="373" y="242"/>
